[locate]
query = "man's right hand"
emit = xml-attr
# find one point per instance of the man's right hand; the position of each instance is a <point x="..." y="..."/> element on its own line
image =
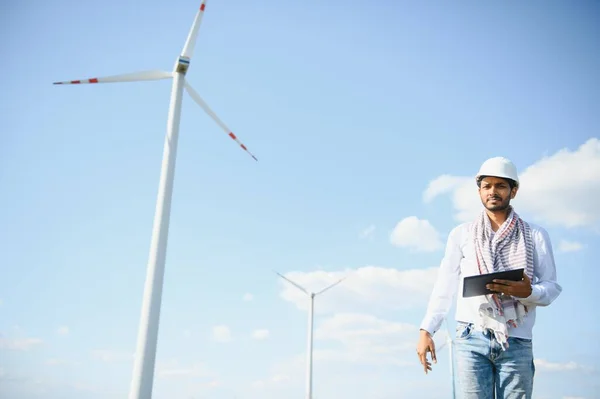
<point x="425" y="345"/>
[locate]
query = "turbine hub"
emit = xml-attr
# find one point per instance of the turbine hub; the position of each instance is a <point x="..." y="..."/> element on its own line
<point x="182" y="65"/>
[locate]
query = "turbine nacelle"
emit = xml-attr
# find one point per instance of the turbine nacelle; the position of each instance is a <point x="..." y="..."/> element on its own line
<point x="182" y="64"/>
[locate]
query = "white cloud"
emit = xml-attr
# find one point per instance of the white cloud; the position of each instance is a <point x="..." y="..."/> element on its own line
<point x="441" y="185"/>
<point x="352" y="328"/>
<point x="368" y="232"/>
<point x="260" y="334"/>
<point x="111" y="356"/>
<point x="176" y="378"/>
<point x="366" y="339"/>
<point x="60" y="362"/>
<point x="247" y="297"/>
<point x="174" y="370"/>
<point x="417" y="234"/>
<point x="19" y="344"/>
<point x="359" y="355"/>
<point x="346" y="341"/>
<point x="64" y="330"/>
<point x="221" y="333"/>
<point x="213" y="384"/>
<point x="80" y="386"/>
<point x="280" y="377"/>
<point x="569" y="246"/>
<point x="552" y="366"/>
<point x="560" y="189"/>
<point x="274" y="380"/>
<point x="364" y="289"/>
<point x="463" y="191"/>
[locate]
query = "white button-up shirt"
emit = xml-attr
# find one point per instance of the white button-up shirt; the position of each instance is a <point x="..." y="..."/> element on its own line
<point x="459" y="261"/>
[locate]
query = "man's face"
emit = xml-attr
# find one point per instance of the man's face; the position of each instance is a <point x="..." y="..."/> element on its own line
<point x="495" y="193"/>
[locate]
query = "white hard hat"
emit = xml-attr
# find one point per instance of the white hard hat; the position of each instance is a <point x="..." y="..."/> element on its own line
<point x="498" y="167"/>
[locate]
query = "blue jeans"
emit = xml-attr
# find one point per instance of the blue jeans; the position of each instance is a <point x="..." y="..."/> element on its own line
<point x="485" y="371"/>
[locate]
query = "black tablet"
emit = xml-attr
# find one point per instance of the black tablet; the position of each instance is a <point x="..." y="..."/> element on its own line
<point x="475" y="285"/>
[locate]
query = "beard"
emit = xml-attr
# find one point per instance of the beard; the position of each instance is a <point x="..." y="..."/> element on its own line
<point x="498" y="205"/>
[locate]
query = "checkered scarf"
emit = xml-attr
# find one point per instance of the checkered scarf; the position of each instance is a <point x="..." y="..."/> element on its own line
<point x="510" y="248"/>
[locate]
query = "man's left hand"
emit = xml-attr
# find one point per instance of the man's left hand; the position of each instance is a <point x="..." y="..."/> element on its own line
<point x="518" y="289"/>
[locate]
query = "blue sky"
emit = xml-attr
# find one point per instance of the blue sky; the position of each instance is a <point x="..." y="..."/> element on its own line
<point x="354" y="111"/>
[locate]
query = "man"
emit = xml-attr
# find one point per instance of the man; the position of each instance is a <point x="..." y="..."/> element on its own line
<point x="493" y="344"/>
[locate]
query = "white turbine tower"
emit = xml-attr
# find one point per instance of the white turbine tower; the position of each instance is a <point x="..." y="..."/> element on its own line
<point x="309" y="349"/>
<point x="450" y="343"/>
<point x="145" y="355"/>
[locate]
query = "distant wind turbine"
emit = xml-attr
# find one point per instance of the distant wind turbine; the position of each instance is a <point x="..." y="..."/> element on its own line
<point x="450" y="343"/>
<point x="309" y="350"/>
<point x="145" y="355"/>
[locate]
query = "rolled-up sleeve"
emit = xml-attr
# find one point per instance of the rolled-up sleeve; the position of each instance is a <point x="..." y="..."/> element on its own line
<point x="545" y="288"/>
<point x="445" y="286"/>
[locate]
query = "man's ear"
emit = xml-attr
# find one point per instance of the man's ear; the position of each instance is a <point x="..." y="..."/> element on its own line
<point x="513" y="192"/>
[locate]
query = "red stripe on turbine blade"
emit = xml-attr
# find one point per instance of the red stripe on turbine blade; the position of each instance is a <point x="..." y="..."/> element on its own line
<point x="75" y="82"/>
<point x="242" y="145"/>
<point x="94" y="80"/>
<point x="202" y="7"/>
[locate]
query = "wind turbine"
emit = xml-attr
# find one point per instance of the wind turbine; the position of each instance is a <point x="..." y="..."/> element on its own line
<point x="145" y="355"/>
<point x="448" y="342"/>
<point x="311" y="307"/>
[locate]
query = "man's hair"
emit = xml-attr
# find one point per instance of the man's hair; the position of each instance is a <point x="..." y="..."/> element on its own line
<point x="511" y="183"/>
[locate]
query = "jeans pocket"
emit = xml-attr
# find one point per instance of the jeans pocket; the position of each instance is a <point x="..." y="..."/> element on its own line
<point x="463" y="330"/>
<point x="520" y="341"/>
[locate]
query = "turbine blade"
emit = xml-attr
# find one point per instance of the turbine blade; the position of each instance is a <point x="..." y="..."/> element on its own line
<point x="196" y="97"/>
<point x="293" y="283"/>
<point x="126" y="77"/>
<point x="190" y="43"/>
<point x="331" y="286"/>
